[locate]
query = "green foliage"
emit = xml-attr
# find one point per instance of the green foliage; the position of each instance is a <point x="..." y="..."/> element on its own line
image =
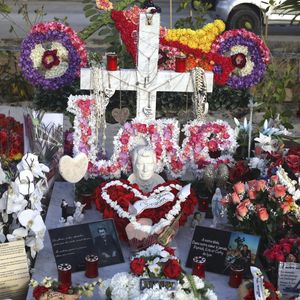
<point x="290" y="7"/>
<point x="87" y="186"/>
<point x="271" y="92"/>
<point x="197" y="19"/>
<point x="13" y="87"/>
<point x="4" y="8"/>
<point x="57" y="100"/>
<point x="228" y="98"/>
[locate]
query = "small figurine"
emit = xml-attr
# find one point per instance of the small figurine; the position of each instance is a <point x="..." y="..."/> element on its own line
<point x="197" y="218"/>
<point x="216" y="207"/>
<point x="78" y="215"/>
<point x="64" y="207"/>
<point x="70" y="221"/>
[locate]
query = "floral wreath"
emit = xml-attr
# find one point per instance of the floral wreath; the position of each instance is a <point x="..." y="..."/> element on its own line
<point x="156" y="262"/>
<point x="248" y="53"/>
<point x="52" y="55"/>
<point x="114" y="198"/>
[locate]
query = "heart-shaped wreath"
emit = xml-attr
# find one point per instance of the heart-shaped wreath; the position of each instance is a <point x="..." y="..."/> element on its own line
<point x="115" y="198"/>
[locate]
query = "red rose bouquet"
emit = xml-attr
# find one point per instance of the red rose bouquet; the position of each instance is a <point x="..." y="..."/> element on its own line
<point x="266" y="208"/>
<point x="11" y="138"/>
<point x="286" y="250"/>
<point x="270" y="292"/>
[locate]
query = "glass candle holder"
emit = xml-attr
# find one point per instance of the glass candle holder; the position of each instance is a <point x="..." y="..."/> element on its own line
<point x="64" y="275"/>
<point x="180" y="64"/>
<point x="199" y="266"/>
<point x="91" y="266"/>
<point x="112" y="62"/>
<point x="236" y="277"/>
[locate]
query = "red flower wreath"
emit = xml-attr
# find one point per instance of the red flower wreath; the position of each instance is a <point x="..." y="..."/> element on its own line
<point x="125" y="197"/>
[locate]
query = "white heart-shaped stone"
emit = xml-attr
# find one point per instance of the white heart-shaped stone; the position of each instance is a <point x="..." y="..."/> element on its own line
<point x="73" y="169"/>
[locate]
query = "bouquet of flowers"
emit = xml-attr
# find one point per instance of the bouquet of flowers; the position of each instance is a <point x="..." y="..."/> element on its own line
<point x="156" y="262"/>
<point x="21" y="192"/>
<point x="270" y="292"/>
<point x="262" y="207"/>
<point x="49" y="285"/>
<point x="286" y="250"/>
<point x="11" y="138"/>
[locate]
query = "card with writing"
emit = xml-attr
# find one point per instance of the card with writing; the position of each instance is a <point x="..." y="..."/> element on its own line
<point x="72" y="243"/>
<point x="223" y="249"/>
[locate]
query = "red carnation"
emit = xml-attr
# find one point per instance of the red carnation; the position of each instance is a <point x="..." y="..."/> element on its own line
<point x="172" y="269"/>
<point x="39" y="291"/>
<point x="50" y="59"/>
<point x="170" y="250"/>
<point x="137" y="266"/>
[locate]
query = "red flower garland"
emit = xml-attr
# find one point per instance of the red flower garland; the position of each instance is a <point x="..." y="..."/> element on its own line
<point x="124" y="197"/>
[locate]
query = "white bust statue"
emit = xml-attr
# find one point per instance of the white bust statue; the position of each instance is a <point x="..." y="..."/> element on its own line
<point x="144" y="164"/>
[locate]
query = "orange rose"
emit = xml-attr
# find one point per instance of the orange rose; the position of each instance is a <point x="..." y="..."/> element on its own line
<point x="274" y="179"/>
<point x="235" y="198"/>
<point x="285" y="207"/>
<point x="241" y="210"/>
<point x="279" y="190"/>
<point x="239" y="188"/>
<point x="263" y="214"/>
<point x="260" y="185"/>
<point x="247" y="202"/>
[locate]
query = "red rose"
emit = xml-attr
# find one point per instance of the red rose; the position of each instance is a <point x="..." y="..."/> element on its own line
<point x="294" y="150"/>
<point x="137" y="266"/>
<point x="279" y="256"/>
<point x="170" y="250"/>
<point x="293" y="162"/>
<point x="212" y="145"/>
<point x="39" y="291"/>
<point x="172" y="269"/>
<point x="286" y="248"/>
<point x="238" y="172"/>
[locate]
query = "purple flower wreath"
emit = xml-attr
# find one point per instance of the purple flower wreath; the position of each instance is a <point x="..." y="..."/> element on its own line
<point x="42" y="35"/>
<point x="248" y="53"/>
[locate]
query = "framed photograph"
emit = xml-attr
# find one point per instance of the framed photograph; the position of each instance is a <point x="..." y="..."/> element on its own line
<point x="223" y="249"/>
<point x="71" y="244"/>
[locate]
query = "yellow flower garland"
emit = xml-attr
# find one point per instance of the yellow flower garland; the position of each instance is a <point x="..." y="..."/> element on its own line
<point x="197" y="39"/>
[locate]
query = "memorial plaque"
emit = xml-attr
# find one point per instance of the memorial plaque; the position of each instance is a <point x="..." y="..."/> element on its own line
<point x="72" y="243"/>
<point x="14" y="273"/>
<point x="222" y="249"/>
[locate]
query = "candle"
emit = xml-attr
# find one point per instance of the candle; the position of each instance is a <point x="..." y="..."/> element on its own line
<point x="64" y="275"/>
<point x="199" y="266"/>
<point x="91" y="266"/>
<point x="236" y="277"/>
<point x="180" y="64"/>
<point x="112" y="62"/>
<point x="203" y="203"/>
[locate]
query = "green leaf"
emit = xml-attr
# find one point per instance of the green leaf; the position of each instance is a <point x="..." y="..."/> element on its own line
<point x="91" y="12"/>
<point x="4" y="8"/>
<point x="89" y="6"/>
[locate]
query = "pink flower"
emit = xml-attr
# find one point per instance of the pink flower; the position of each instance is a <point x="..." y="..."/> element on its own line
<point x="260" y="185"/>
<point x="263" y="214"/>
<point x="279" y="191"/>
<point x="239" y="187"/>
<point x="235" y="198"/>
<point x="252" y="194"/>
<point x="241" y="210"/>
<point x="274" y="179"/>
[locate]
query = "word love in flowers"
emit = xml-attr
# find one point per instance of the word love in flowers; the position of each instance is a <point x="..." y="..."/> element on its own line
<point x="153" y="201"/>
<point x="205" y="143"/>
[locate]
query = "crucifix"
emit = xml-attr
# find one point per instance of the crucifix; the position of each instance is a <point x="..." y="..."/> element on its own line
<point x="146" y="80"/>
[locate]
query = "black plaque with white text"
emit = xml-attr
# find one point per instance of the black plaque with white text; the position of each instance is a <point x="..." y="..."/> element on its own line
<point x="72" y="243"/>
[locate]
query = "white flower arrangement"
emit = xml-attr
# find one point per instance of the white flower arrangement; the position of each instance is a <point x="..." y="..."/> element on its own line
<point x="20" y="204"/>
<point x="126" y="287"/>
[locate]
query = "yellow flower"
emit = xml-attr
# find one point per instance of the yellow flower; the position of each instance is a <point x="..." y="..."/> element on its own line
<point x="220" y="25"/>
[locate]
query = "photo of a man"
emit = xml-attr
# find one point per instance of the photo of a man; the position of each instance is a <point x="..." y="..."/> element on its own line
<point x="106" y="243"/>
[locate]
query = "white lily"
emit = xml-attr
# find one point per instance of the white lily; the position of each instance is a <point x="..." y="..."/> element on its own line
<point x="17" y="234"/>
<point x="32" y="219"/>
<point x="266" y="143"/>
<point x="25" y="182"/>
<point x="3" y="177"/>
<point x="31" y="162"/>
<point x="15" y="201"/>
